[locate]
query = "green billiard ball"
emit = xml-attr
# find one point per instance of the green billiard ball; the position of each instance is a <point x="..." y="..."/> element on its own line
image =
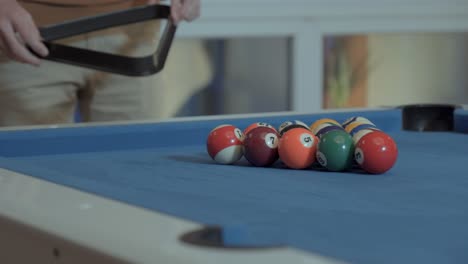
<point x="336" y="150"/>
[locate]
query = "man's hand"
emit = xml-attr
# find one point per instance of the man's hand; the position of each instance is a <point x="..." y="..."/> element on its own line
<point x="187" y="10"/>
<point x="18" y="30"/>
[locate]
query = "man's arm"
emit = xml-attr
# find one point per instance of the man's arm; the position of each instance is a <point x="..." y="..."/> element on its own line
<point x="17" y="29"/>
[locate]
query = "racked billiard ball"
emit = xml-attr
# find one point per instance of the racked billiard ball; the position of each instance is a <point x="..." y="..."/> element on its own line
<point x="325" y="128"/>
<point x="297" y="148"/>
<point x="285" y="126"/>
<point x="225" y="144"/>
<point x="255" y="125"/>
<point x="376" y="152"/>
<point x="353" y="130"/>
<point x="336" y="151"/>
<point x="261" y="146"/>
<point x="356" y="119"/>
<point x="355" y="127"/>
<point x="314" y="126"/>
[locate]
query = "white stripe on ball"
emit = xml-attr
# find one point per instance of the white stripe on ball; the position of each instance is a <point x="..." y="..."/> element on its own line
<point x="230" y="154"/>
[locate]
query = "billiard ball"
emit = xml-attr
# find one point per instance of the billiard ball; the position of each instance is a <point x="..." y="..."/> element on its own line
<point x="297" y="148"/>
<point x="358" y="119"/>
<point x="336" y="151"/>
<point x="255" y="125"/>
<point x="355" y="127"/>
<point x="285" y="126"/>
<point x="325" y="128"/>
<point x="313" y="127"/>
<point x="261" y="146"/>
<point x="225" y="144"/>
<point x="376" y="152"/>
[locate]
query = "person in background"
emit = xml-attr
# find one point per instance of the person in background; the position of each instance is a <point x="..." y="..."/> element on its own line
<point x="35" y="91"/>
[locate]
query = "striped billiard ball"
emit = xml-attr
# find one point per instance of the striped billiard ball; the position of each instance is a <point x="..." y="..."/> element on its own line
<point x="225" y="144"/>
<point x="323" y="121"/>
<point x="285" y="126"/>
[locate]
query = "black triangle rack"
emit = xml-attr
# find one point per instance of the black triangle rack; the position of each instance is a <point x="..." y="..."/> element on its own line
<point x="107" y="62"/>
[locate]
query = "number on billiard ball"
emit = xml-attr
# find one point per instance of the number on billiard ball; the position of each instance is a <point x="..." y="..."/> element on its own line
<point x="225" y="144"/>
<point x="261" y="146"/>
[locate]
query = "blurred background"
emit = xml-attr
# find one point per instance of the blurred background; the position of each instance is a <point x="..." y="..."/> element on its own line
<point x="252" y="74"/>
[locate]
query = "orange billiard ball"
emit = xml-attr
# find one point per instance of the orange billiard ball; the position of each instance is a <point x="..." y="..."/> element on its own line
<point x="297" y="148"/>
<point x="376" y="152"/>
<point x="225" y="144"/>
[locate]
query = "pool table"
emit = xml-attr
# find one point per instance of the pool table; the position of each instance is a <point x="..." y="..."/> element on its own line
<point x="148" y="192"/>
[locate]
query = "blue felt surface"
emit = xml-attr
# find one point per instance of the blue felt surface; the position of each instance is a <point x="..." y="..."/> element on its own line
<point x="461" y="120"/>
<point x="415" y="213"/>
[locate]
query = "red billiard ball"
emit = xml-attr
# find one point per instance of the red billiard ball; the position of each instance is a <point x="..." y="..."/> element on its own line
<point x="261" y="146"/>
<point x="376" y="152"/>
<point x="255" y="125"/>
<point x="225" y="144"/>
<point x="297" y="148"/>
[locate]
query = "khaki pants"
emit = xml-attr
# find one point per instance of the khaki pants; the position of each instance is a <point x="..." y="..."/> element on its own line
<point x="50" y="93"/>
